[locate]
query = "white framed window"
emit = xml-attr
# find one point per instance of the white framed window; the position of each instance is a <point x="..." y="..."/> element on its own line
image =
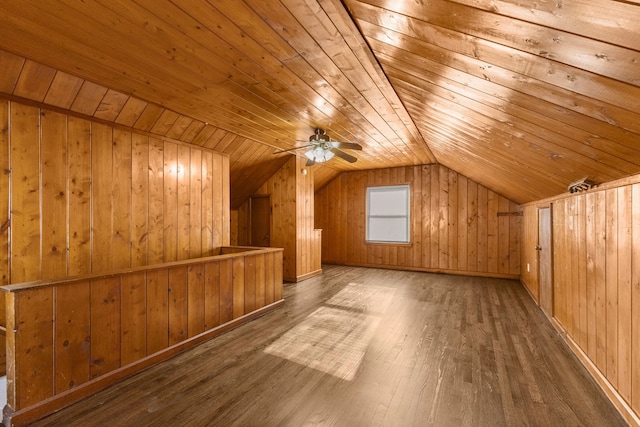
<point x="388" y="214"/>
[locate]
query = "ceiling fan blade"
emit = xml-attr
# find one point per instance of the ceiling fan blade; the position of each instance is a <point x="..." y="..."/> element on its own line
<point x="348" y="157"/>
<point x="293" y="149"/>
<point x="310" y="162"/>
<point x="348" y="145"/>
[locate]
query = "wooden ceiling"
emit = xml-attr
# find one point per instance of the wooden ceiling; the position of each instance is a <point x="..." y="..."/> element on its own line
<point x="523" y="98"/>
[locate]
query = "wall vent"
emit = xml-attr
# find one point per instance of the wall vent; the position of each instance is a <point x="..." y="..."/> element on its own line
<point x="583" y="184"/>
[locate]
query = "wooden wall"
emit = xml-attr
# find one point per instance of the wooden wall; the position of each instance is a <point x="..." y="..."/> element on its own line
<point x="596" y="271"/>
<point x="87" y="197"/>
<point x="71" y="338"/>
<point x="455" y="223"/>
<point x="292" y="219"/>
<point x="529" y="254"/>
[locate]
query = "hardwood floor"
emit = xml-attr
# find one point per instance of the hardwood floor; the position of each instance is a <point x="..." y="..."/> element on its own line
<point x="368" y="347"/>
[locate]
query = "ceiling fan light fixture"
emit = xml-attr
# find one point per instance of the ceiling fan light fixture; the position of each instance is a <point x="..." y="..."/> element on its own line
<point x="319" y="154"/>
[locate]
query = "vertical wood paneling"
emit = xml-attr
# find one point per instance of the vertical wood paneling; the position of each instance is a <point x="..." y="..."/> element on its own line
<point x="170" y="198"/>
<point x="178" y="314"/>
<point x="635" y="298"/>
<point x="225" y="206"/>
<point x="214" y="175"/>
<point x="122" y="179"/>
<point x="157" y="310"/>
<point x="139" y="199"/>
<point x="624" y="291"/>
<point x="455" y="223"/>
<point x="226" y="291"/>
<point x="529" y="275"/>
<point x="293" y="220"/>
<point x="4" y="201"/>
<point x="195" y="204"/>
<point x="34" y="344"/>
<point x="79" y="154"/>
<point x="155" y="225"/>
<point x="612" y="285"/>
<point x="53" y="150"/>
<point x="63" y="334"/>
<point x="134" y="317"/>
<point x="207" y="201"/>
<point x="260" y="280"/>
<point x="269" y="279"/>
<point x="105" y="325"/>
<point x="601" y="289"/>
<point x="590" y="255"/>
<point x="278" y="274"/>
<point x="238" y="266"/>
<point x="597" y="280"/>
<point x="212" y="298"/>
<point x="101" y="198"/>
<point x="183" y="225"/>
<point x="196" y="299"/>
<point x="25" y="193"/>
<point x="249" y="284"/>
<point x="72" y="328"/>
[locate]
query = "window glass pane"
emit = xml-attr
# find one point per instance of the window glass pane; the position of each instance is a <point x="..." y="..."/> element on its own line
<point x="388" y="201"/>
<point x="388" y="230"/>
<point x="388" y="214"/>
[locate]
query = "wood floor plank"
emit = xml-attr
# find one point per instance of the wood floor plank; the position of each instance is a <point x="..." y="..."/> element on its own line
<point x="368" y="347"/>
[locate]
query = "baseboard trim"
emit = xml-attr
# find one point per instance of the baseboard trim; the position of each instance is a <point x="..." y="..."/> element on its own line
<point x="430" y="270"/>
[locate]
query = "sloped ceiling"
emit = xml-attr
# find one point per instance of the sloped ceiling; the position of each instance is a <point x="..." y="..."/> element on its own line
<point x="523" y="98"/>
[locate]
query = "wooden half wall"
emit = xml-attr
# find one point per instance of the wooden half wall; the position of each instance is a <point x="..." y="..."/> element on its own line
<point x="457" y="225"/>
<point x="86" y="197"/>
<point x="596" y="282"/>
<point x="70" y="338"/>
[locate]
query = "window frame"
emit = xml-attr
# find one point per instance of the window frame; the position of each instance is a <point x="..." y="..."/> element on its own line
<point x="373" y="189"/>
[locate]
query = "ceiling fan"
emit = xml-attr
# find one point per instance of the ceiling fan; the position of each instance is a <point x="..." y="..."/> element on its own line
<point x="322" y="149"/>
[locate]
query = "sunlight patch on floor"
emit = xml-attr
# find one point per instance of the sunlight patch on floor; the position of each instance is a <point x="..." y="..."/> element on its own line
<point x="334" y="338"/>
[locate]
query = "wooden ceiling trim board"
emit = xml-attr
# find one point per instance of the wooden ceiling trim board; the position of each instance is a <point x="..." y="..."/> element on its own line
<point x="620" y="97"/>
<point x="34" y="81"/>
<point x="131" y="112"/>
<point x="358" y="45"/>
<point x="89" y="98"/>
<point x="63" y="90"/>
<point x="203" y="136"/>
<point x="567" y="48"/>
<point x="11" y="66"/>
<point x="179" y="127"/>
<point x="576" y="16"/>
<point x="526" y="121"/>
<point x="192" y="131"/>
<point x="164" y="122"/>
<point x="111" y="105"/>
<point x="149" y="117"/>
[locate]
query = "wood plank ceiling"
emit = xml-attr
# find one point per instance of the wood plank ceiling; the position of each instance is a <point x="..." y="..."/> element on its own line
<point x="522" y="98"/>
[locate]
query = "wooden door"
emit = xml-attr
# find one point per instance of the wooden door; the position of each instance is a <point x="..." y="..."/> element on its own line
<point x="545" y="259"/>
<point x="260" y="219"/>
